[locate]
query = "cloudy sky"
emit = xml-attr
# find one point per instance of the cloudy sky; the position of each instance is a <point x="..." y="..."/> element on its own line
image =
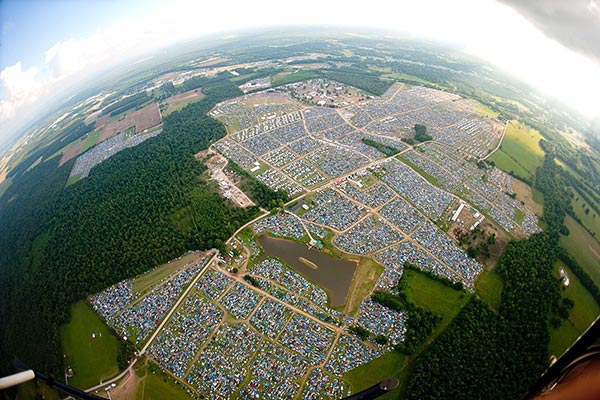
<point x="552" y="44"/>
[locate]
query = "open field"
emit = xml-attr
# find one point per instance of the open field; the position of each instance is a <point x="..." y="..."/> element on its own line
<point x="410" y="78"/>
<point x="156" y="386"/>
<point x="435" y="296"/>
<point x="177" y="102"/>
<point x="522" y="144"/>
<point x="365" y="276"/>
<point x="527" y="196"/>
<point x="142" y="119"/>
<point x="147" y="280"/>
<point x="583" y="247"/>
<point x="92" y="359"/>
<point x="488" y="287"/>
<point x="390" y="364"/>
<point x="485" y="110"/>
<point x="590" y="219"/>
<point x="508" y="164"/>
<point x="581" y="316"/>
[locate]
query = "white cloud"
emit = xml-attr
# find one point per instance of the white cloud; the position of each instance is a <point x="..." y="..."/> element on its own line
<point x="20" y="89"/>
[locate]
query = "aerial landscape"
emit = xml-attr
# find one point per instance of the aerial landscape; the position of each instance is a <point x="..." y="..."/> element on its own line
<point x="298" y="214"/>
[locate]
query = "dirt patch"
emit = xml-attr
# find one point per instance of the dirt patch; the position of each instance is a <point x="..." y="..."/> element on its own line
<point x="184" y="98"/>
<point x="71" y="153"/>
<point x="142" y="119"/>
<point x="267" y="98"/>
<point x="101" y="122"/>
<point x="525" y="195"/>
<point x="126" y="387"/>
<point x="228" y="185"/>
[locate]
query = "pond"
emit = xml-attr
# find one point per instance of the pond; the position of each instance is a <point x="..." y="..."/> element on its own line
<point x="332" y="274"/>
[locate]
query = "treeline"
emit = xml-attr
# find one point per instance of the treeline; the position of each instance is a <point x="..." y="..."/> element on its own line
<point x="557" y="196"/>
<point x="260" y="193"/>
<point x="127" y="103"/>
<point x="142" y="207"/>
<point x="421" y="133"/>
<point x="385" y="149"/>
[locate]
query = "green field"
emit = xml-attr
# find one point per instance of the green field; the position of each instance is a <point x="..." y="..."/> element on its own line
<point x="156" y="386"/>
<point x="520" y="148"/>
<point x="488" y="287"/>
<point x="590" y="220"/>
<point x="91" y="359"/>
<point x="145" y="281"/>
<point x="583" y="247"/>
<point x="390" y="364"/>
<point x="90" y="141"/>
<point x="581" y="316"/>
<point x="434" y="295"/>
<point x="506" y="163"/>
<point x="485" y="110"/>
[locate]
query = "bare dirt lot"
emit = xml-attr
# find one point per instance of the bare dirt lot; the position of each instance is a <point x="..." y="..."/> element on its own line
<point x="142" y="119"/>
<point x="71" y="153"/>
<point x="267" y="98"/>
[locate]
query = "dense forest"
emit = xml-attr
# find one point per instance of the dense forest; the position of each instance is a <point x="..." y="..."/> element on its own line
<point x="141" y="207"/>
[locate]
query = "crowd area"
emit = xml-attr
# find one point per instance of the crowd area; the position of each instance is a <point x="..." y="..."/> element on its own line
<point x="369" y="235"/>
<point x="380" y="320"/>
<point x="112" y="300"/>
<point x="334" y="210"/>
<point x="349" y="353"/>
<point x="240" y="300"/>
<point x="321" y="385"/>
<point x="106" y="149"/>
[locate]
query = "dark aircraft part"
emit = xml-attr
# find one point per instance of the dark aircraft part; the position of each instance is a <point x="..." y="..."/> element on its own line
<point x="48" y="380"/>
<point x="376" y="390"/>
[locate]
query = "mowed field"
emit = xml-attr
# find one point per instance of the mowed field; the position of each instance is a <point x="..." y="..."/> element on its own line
<point x="146" y="281"/>
<point x="488" y="287"/>
<point x="180" y="100"/>
<point x="583" y="247"/>
<point x="520" y="151"/>
<point x="156" y="386"/>
<point x="91" y="359"/>
<point x="581" y="316"/>
<point x="142" y="119"/>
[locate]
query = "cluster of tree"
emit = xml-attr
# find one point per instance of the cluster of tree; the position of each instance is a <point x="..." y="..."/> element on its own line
<point x="385" y="149"/>
<point x="142" y="207"/>
<point x="412" y="267"/>
<point x="359" y="331"/>
<point x="557" y="195"/>
<point x="134" y="101"/>
<point x="252" y="280"/>
<point x="583" y="276"/>
<point x="487" y="355"/>
<point x="421" y="133"/>
<point x="260" y="193"/>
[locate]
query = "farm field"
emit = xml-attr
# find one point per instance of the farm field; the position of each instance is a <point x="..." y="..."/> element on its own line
<point x="177" y="102"/>
<point x="91" y="358"/>
<point x="141" y="119"/>
<point x="590" y="219"/>
<point x="521" y="148"/>
<point x="583" y="247"/>
<point x="581" y="316"/>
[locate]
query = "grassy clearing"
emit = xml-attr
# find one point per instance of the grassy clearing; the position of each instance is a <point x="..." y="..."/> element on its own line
<point x="521" y="143"/>
<point x="488" y="287"/>
<point x="508" y="164"/>
<point x="583" y="247"/>
<point x="410" y="79"/>
<point x="519" y="216"/>
<point x="92" y="359"/>
<point x="150" y="278"/>
<point x="434" y="295"/>
<point x="90" y="141"/>
<point x="590" y="220"/>
<point x="390" y="364"/>
<point x="581" y="316"/>
<point x="73" y="179"/>
<point x="156" y="385"/>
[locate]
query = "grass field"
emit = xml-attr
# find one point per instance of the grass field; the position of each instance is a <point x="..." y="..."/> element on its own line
<point x="506" y="163"/>
<point x="90" y="141"/>
<point x="91" y="359"/>
<point x="488" y="287"/>
<point x="410" y="79"/>
<point x="485" y="110"/>
<point x="148" y="279"/>
<point x="590" y="220"/>
<point x="390" y="364"/>
<point x="581" y="316"/>
<point x="434" y="295"/>
<point x="581" y="245"/>
<point x="156" y="386"/>
<point x="520" y="147"/>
